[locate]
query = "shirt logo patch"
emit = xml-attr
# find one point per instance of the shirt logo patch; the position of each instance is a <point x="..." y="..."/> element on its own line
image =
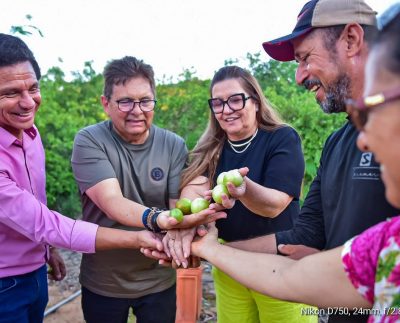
<point x="366" y="159"/>
<point x="157" y="174"/>
<point x="367" y="168"/>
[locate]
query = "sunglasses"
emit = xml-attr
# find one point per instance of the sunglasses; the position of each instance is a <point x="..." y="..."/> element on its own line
<point x="359" y="109"/>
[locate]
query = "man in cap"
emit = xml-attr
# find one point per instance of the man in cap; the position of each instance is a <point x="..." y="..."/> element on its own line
<point x="330" y="44"/>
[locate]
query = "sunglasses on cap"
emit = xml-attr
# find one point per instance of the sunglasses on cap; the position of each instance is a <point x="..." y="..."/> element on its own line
<point x="359" y="109"/>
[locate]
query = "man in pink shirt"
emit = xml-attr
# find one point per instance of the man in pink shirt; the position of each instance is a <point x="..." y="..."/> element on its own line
<point x="27" y="227"/>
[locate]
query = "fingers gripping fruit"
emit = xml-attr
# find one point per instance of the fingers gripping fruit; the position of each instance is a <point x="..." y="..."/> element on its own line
<point x="177" y="214"/>
<point x="234" y="177"/>
<point x="218" y="191"/>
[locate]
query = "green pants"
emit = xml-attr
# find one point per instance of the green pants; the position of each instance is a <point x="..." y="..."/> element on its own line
<point x="239" y="304"/>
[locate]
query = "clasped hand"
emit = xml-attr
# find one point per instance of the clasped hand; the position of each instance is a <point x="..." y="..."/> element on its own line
<point x="178" y="245"/>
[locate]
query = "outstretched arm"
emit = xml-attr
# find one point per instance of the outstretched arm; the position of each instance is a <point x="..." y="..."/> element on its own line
<point x="108" y="238"/>
<point x="318" y="279"/>
<point x="107" y="195"/>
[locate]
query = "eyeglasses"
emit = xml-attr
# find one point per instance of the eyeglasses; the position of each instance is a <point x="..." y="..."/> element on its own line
<point x="127" y="105"/>
<point x="236" y="102"/>
<point x="359" y="109"/>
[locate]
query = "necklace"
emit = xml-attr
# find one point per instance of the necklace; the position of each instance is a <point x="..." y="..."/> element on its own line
<point x="245" y="144"/>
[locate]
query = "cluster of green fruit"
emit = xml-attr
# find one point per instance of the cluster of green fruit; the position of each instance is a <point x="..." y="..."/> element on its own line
<point x="233" y="176"/>
<point x="185" y="206"/>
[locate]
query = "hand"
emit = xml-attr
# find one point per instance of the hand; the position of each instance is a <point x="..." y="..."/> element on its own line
<point x="234" y="192"/>
<point x="206" y="240"/>
<point x="296" y="251"/>
<point x="162" y="257"/>
<point x="227" y="202"/>
<point x="177" y="245"/>
<point x="148" y="239"/>
<point x="238" y="192"/>
<point x="57" y="270"/>
<point x="167" y="222"/>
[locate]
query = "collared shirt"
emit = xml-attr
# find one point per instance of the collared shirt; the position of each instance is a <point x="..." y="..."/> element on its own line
<point x="27" y="226"/>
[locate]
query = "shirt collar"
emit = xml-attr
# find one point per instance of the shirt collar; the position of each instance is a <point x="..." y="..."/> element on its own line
<point x="7" y="139"/>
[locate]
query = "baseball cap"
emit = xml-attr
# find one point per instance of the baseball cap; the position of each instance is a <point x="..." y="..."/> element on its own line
<point x="320" y="13"/>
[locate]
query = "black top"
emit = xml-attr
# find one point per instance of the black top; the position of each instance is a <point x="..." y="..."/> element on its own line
<point x="345" y="198"/>
<point x="275" y="160"/>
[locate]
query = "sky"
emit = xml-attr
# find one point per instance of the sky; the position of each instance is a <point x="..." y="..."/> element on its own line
<point x="170" y="35"/>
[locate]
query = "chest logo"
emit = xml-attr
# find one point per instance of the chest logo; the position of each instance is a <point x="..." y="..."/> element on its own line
<point x="157" y="174"/>
<point x="366" y="159"/>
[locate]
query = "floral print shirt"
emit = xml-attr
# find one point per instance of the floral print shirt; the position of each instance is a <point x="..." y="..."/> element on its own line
<point x="372" y="263"/>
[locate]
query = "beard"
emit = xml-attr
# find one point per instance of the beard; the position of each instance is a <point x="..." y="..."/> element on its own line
<point x="336" y="94"/>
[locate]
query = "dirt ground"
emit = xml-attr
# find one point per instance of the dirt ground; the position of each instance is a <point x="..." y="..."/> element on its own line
<point x="71" y="312"/>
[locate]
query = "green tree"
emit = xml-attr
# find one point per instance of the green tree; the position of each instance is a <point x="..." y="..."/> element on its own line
<point x="182" y="108"/>
<point x="66" y="108"/>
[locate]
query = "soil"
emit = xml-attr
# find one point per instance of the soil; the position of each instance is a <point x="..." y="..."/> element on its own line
<point x="71" y="312"/>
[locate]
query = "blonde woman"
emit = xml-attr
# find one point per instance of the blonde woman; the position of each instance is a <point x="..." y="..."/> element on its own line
<point x="244" y="131"/>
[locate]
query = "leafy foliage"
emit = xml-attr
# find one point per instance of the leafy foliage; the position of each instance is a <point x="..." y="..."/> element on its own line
<point x="25" y="30"/>
<point x="182" y="107"/>
<point x="66" y="108"/>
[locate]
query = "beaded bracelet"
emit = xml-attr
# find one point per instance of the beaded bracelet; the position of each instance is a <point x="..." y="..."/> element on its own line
<point x="144" y="219"/>
<point x="149" y="219"/>
<point x="154" y="223"/>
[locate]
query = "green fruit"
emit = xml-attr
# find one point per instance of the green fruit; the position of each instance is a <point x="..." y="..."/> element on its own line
<point x="183" y="204"/>
<point x="234" y="177"/>
<point x="177" y="214"/>
<point x="220" y="178"/>
<point x="218" y="191"/>
<point x="199" y="204"/>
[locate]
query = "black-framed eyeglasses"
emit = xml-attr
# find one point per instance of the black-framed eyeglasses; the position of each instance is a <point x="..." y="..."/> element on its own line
<point x="127" y="105"/>
<point x="359" y="109"/>
<point x="236" y="102"/>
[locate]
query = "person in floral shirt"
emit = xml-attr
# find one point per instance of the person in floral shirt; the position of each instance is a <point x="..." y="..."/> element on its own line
<point x="372" y="262"/>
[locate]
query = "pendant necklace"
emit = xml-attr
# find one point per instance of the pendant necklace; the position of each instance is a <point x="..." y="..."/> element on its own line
<point x="245" y="144"/>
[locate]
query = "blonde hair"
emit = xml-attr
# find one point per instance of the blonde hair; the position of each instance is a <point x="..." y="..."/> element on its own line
<point x="204" y="157"/>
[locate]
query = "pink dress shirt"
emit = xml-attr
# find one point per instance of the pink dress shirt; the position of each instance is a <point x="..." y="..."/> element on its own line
<point x="27" y="226"/>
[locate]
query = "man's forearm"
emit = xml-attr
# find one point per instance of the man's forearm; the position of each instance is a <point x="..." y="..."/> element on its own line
<point x="107" y="238"/>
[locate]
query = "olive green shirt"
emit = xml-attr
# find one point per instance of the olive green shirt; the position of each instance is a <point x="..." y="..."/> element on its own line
<point x="148" y="174"/>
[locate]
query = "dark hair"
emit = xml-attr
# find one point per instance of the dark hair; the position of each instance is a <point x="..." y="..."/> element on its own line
<point x="13" y="51"/>
<point x="332" y="34"/>
<point x="118" y="71"/>
<point x="389" y="37"/>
